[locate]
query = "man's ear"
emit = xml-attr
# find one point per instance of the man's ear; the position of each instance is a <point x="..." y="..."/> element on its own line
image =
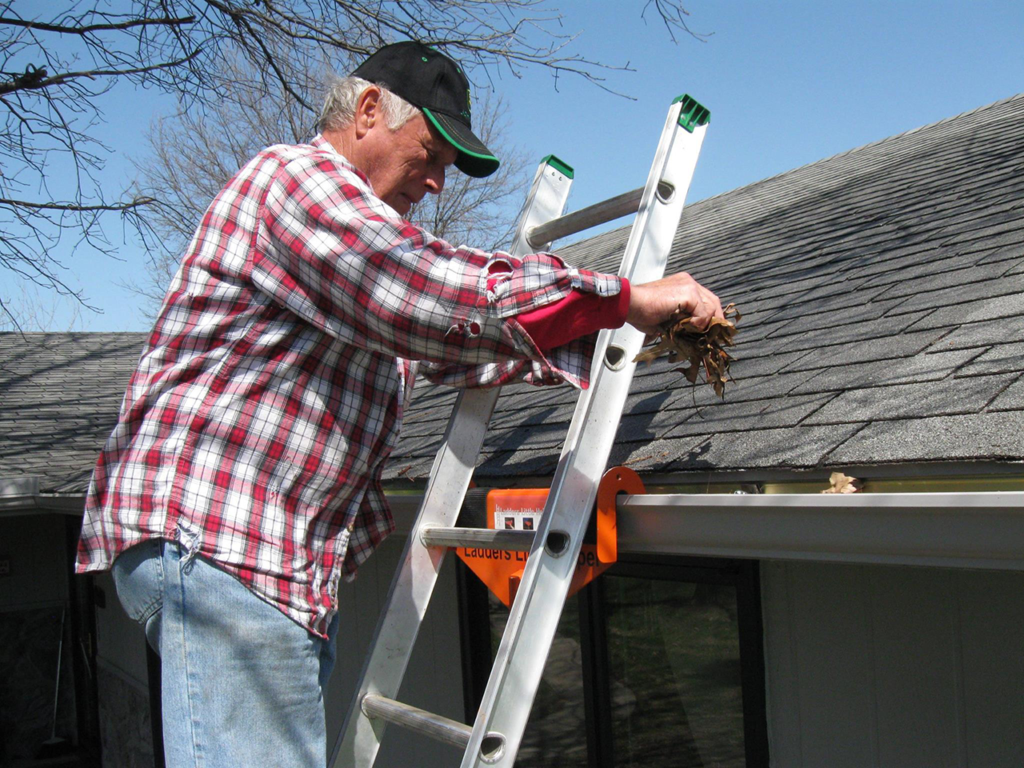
<point x="367" y="111"/>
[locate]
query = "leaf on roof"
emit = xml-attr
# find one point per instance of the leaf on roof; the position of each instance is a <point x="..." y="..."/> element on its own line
<point x="681" y="340"/>
<point x="840" y="483"/>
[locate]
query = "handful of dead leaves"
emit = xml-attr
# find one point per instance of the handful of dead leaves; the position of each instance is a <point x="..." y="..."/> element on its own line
<point x="682" y="340"/>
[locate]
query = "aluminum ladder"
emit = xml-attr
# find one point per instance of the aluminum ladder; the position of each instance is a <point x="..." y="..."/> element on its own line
<point x="494" y="738"/>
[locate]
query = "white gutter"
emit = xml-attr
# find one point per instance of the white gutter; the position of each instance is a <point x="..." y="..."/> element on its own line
<point x="957" y="530"/>
<point x="20" y="495"/>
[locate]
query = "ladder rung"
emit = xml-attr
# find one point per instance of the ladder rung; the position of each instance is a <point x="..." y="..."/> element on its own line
<point x="486" y="538"/>
<point x="415" y="719"/>
<point x="585" y="218"/>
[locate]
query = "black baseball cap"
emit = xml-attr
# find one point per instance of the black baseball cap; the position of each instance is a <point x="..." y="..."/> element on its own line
<point x="428" y="79"/>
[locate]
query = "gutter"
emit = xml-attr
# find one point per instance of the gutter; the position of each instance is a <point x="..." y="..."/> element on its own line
<point x="21" y="496"/>
<point x="18" y="494"/>
<point x="954" y="530"/>
<point x="959" y="529"/>
<point x="968" y="529"/>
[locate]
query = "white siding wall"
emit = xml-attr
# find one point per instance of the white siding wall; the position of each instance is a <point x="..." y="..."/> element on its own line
<point x="893" y="667"/>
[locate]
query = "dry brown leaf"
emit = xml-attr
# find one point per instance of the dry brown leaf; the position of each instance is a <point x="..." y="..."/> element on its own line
<point x="840" y="483"/>
<point x="683" y="341"/>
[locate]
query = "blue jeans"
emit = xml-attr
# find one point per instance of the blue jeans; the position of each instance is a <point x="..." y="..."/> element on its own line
<point x="242" y="684"/>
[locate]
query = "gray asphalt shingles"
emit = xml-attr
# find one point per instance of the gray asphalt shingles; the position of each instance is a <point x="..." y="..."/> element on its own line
<point x="869" y="348"/>
<point x="59" y="398"/>
<point x="979" y="334"/>
<point x="919" y="400"/>
<point x="789" y="448"/>
<point x="883" y="373"/>
<point x="990" y="435"/>
<point x="1010" y="307"/>
<point x="1002" y="358"/>
<point x="1010" y="399"/>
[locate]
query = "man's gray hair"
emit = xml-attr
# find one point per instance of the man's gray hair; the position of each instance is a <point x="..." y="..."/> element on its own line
<point x="342" y="96"/>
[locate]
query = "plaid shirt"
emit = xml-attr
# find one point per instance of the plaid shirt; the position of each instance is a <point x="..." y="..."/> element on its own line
<point x="256" y="427"/>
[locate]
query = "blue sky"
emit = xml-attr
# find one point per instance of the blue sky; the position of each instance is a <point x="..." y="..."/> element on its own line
<point x="787" y="83"/>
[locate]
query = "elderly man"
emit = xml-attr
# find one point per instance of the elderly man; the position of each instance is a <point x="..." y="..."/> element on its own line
<point x="242" y="480"/>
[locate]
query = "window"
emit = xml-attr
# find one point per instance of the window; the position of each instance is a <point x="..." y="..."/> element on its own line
<point x="658" y="662"/>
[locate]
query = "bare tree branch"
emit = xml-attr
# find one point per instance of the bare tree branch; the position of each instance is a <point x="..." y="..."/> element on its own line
<point x="90" y="29"/>
<point x="37" y="79"/>
<point x="73" y="207"/>
<point x="673" y="16"/>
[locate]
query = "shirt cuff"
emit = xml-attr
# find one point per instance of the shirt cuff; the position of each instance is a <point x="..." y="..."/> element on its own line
<point x="578" y="314"/>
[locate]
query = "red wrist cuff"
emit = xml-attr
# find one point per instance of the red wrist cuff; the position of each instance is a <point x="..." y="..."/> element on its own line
<point x="578" y="314"/>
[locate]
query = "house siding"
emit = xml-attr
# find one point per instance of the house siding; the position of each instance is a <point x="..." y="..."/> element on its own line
<point x="893" y="666"/>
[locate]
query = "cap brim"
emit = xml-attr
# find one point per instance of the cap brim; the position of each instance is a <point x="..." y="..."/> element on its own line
<point x="474" y="158"/>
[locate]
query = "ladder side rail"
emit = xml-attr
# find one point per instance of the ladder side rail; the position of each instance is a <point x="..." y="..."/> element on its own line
<point x="413" y="583"/>
<point x="533" y="620"/>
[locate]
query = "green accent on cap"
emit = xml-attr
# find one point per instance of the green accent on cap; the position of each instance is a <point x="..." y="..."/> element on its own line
<point x="559" y="165"/>
<point x="448" y="137"/>
<point x="692" y="113"/>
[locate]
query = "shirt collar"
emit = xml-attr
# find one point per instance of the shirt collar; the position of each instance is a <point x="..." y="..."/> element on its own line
<point x="324" y="145"/>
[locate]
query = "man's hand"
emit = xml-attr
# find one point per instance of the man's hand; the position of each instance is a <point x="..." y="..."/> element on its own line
<point x="652" y="304"/>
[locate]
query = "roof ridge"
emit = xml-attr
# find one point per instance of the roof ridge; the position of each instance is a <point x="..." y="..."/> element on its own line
<point x="761" y="193"/>
<point x="861" y="148"/>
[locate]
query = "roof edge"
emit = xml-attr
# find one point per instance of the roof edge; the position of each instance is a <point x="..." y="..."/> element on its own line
<point x="869" y="145"/>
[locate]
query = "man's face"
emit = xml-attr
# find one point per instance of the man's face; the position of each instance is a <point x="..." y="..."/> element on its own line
<point x="408" y="163"/>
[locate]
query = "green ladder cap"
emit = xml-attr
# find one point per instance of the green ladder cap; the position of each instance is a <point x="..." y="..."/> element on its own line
<point x="692" y="113"/>
<point x="559" y="165"/>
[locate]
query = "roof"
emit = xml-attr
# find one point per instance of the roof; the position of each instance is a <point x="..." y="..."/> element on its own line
<point x="883" y="321"/>
<point x="883" y="325"/>
<point x="60" y="394"/>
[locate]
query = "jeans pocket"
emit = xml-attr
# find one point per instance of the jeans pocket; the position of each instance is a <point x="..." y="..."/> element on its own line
<point x="139" y="578"/>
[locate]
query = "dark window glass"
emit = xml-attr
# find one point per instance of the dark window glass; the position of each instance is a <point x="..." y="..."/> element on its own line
<point x="645" y="671"/>
<point x="556" y="734"/>
<point x="674" y="668"/>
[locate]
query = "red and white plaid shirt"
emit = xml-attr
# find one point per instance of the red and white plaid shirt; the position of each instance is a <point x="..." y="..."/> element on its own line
<point x="256" y="427"/>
